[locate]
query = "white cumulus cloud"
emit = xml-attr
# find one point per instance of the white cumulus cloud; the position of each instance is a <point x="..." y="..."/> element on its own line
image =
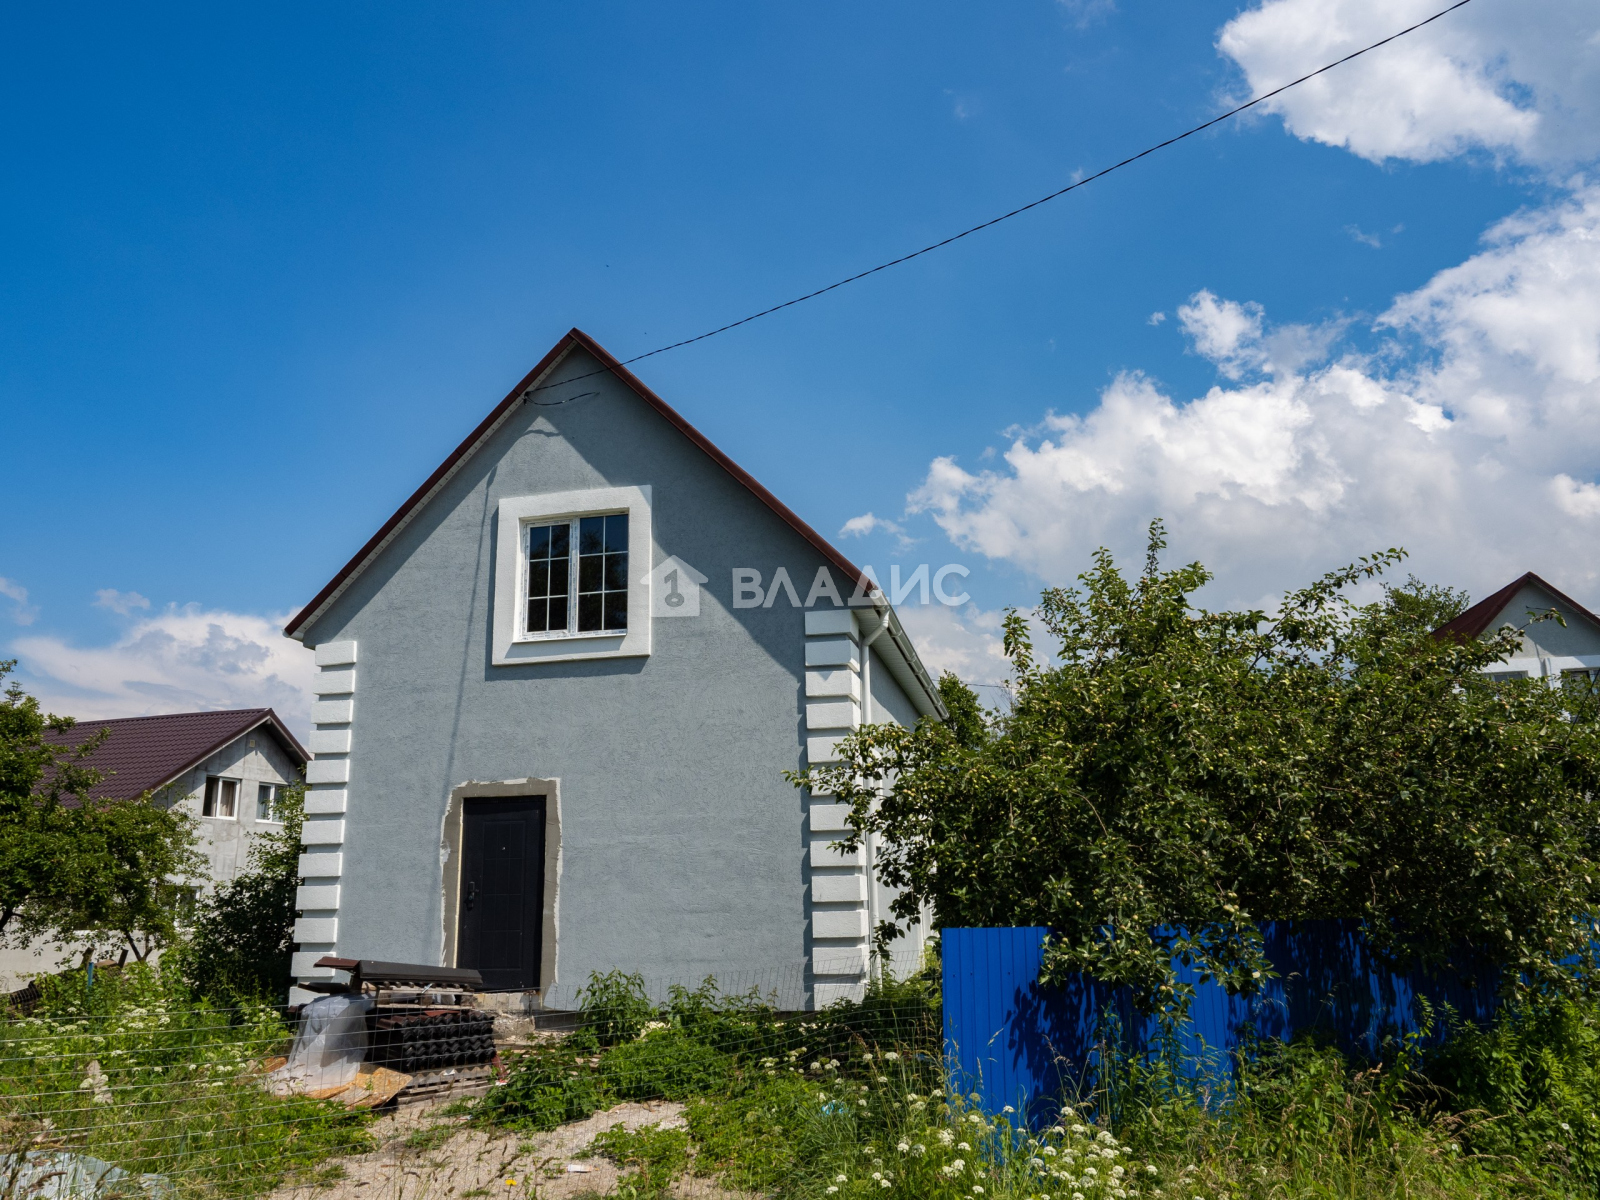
<point x="1519" y="82"/>
<point x="182" y="659"/>
<point x="121" y="603"/>
<point x="22" y="612"/>
<point x="1472" y="437"/>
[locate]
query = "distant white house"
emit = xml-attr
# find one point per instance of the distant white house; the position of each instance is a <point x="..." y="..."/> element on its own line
<point x="1550" y="649"/>
<point x="227" y="769"/>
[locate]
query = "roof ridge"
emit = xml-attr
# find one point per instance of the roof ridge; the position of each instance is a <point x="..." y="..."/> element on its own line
<point x="1476" y="620"/>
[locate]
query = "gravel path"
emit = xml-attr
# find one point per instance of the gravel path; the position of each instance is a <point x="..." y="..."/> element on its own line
<point x="460" y="1161"/>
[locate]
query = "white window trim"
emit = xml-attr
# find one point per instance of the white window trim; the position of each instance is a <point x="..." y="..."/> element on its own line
<point x="238" y="788"/>
<point x="513" y="646"/>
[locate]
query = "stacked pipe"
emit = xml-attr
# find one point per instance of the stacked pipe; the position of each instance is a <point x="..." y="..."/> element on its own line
<point x="432" y="1040"/>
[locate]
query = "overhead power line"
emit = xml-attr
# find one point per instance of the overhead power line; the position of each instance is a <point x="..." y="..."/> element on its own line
<point x="1016" y="212"/>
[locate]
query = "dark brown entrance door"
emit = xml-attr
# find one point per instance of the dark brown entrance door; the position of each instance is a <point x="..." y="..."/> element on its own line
<point x="502" y="890"/>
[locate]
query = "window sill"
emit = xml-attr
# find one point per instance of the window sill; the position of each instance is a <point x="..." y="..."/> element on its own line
<point x="567" y="647"/>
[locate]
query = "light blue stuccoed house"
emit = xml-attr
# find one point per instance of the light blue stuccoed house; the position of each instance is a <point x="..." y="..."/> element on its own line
<point x="556" y="695"/>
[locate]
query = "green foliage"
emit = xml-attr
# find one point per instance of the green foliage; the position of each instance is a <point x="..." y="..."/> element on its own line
<point x="546" y="1086"/>
<point x="665" y="1063"/>
<point x="1535" y="1075"/>
<point x="614" y="1006"/>
<point x="131" y="1071"/>
<point x="240" y="942"/>
<point x="966" y="722"/>
<point x="71" y="864"/>
<point x="1176" y="776"/>
<point x="654" y="1157"/>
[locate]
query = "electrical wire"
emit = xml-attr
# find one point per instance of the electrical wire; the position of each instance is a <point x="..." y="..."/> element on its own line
<point x="1015" y="212"/>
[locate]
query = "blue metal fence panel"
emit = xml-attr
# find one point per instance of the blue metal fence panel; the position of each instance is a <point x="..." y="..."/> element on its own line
<point x="1013" y="1042"/>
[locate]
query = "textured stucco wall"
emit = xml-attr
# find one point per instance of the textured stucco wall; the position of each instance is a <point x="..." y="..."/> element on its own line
<point x="682" y="845"/>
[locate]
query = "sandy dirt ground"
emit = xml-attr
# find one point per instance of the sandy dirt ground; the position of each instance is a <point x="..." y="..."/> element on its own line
<point x="446" y="1159"/>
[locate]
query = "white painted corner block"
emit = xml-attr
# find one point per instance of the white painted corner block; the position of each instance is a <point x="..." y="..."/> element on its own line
<point x="332" y="712"/>
<point x="828" y="818"/>
<point x="316" y="929"/>
<point x="334" y="681"/>
<point x="329" y="741"/>
<point x="326" y="800"/>
<point x="820" y="750"/>
<point x="322" y="832"/>
<point x="830" y="621"/>
<point x="336" y="654"/>
<point x="825" y="994"/>
<point x="848" y="962"/>
<point x="843" y="888"/>
<point x="825" y="853"/>
<point x="312" y="896"/>
<point x="840" y="682"/>
<point x="831" y="652"/>
<point x="832" y="714"/>
<point x="328" y="770"/>
<point x="324" y="865"/>
<point x="840" y="923"/>
<point x="300" y="965"/>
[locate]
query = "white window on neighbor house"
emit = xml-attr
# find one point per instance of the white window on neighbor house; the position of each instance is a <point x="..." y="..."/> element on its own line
<point x="1585" y="679"/>
<point x="572" y="576"/>
<point x="267" y="797"/>
<point x="1502" y="676"/>
<point x="222" y="798"/>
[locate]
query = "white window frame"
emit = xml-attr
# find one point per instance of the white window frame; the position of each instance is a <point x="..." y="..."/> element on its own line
<point x="219" y="780"/>
<point x="513" y="645"/>
<point x="277" y="794"/>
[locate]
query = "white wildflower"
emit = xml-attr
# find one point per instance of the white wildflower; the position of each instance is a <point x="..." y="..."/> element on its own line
<point x="919" y="1148"/>
<point x="946" y="1137"/>
<point x="1118" y="1172"/>
<point x="1049" y="1152"/>
<point x="883" y="1079"/>
<point x="903" y="1147"/>
<point x="891" y="1056"/>
<point x="877" y="1174"/>
<point x="1150" y="1168"/>
<point x="1008" y="1109"/>
<point x="963" y="1146"/>
<point x="841" y="1179"/>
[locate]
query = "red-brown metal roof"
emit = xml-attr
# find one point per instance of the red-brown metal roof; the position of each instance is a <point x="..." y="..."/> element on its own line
<point x="141" y="754"/>
<point x="1477" y="619"/>
<point x="575" y="337"/>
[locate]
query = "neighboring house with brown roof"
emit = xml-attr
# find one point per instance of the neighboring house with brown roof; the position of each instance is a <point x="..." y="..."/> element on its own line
<point x="224" y="768"/>
<point x="557" y="694"/>
<point x="1549" y="648"/>
<point x="227" y="769"/>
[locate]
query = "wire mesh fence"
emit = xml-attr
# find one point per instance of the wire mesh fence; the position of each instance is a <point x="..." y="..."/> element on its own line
<point x="644" y="1088"/>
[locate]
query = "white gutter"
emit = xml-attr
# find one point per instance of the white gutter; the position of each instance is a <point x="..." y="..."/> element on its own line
<point x="869" y="846"/>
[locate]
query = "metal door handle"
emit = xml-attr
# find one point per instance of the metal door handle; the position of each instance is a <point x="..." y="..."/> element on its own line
<point x="472" y="892"/>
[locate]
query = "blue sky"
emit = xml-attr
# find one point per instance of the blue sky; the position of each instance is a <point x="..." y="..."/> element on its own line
<point x="262" y="270"/>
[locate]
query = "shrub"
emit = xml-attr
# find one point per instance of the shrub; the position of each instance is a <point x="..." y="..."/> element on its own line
<point x="664" y="1064"/>
<point x="614" y="1006"/>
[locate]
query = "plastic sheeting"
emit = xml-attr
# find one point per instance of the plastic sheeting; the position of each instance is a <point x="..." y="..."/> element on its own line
<point x="57" y="1175"/>
<point x="328" y="1047"/>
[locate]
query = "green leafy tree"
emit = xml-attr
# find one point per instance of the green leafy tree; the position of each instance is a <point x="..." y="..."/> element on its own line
<point x="1175" y="776"/>
<point x="242" y="937"/>
<point x="71" y="863"/>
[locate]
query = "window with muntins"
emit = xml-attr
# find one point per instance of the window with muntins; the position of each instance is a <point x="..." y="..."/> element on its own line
<point x="593" y="598"/>
<point x="222" y="798"/>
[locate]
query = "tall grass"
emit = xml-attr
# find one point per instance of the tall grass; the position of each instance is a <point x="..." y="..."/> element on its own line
<point x="133" y="1072"/>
